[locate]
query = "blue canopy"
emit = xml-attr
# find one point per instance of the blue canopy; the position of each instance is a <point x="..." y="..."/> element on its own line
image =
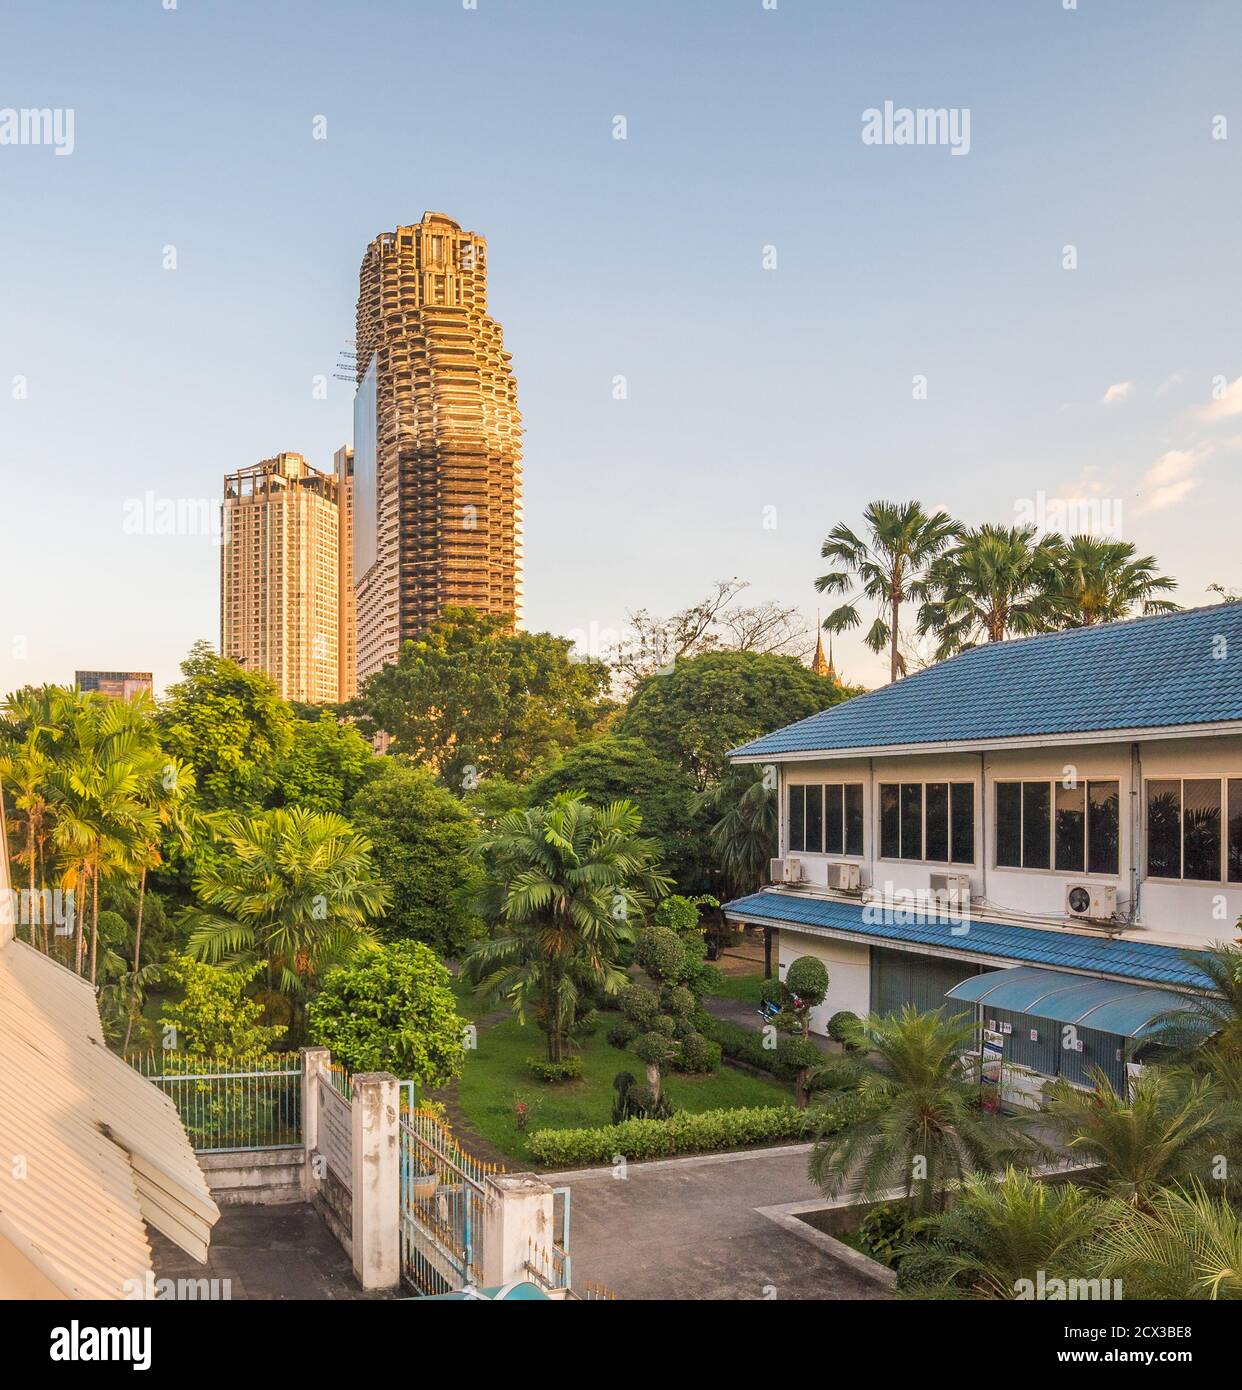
<point x="1128" y="1011"/>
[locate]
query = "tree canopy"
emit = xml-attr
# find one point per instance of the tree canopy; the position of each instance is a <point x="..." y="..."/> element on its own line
<point x="705" y="706"/>
<point x="473" y="699"/>
<point x="420" y="838"/>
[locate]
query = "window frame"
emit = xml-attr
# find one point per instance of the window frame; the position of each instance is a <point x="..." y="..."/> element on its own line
<point x="1225" y="780"/>
<point x="923" y="784"/>
<point x="824" y="788"/>
<point x="1054" y="784"/>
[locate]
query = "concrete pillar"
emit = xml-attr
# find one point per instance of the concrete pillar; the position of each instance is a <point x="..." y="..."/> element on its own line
<point x="376" y="1196"/>
<point x="519" y="1214"/>
<point x="314" y="1061"/>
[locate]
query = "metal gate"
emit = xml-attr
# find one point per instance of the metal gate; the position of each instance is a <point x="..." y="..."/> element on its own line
<point x="442" y="1205"/>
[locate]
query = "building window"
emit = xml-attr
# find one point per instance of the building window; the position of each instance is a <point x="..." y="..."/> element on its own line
<point x="826" y="819"/>
<point x="929" y="821"/>
<point x="1045" y="825"/>
<point x="1194" y="828"/>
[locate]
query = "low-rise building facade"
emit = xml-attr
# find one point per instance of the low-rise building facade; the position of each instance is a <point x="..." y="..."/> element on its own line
<point x="1065" y="805"/>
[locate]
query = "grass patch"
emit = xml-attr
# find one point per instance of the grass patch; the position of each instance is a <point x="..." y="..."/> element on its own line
<point x="497" y="1068"/>
<point x="743" y="988"/>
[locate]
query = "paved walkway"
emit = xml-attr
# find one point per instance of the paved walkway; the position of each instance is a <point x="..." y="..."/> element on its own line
<point x="278" y="1252"/>
<point x="691" y="1229"/>
<point x="747" y="1016"/>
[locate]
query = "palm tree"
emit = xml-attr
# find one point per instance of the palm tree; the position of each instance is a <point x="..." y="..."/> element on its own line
<point x="889" y="567"/>
<point x="292" y="889"/>
<point x="1187" y="1245"/>
<point x="992" y="582"/>
<point x="563" y="886"/>
<point x="101" y="815"/>
<point x="30" y="731"/>
<point x="1163" y="1130"/>
<point x="1000" y="1233"/>
<point x="745" y="834"/>
<point x="926" y="1131"/>
<point x="1214" y="1013"/>
<point x="1102" y="581"/>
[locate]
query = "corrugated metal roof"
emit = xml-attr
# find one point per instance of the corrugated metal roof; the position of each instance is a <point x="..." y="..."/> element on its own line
<point x="1147" y="673"/>
<point x="1118" y="957"/>
<point x="90" y="1147"/>
<point x="1107" y="1005"/>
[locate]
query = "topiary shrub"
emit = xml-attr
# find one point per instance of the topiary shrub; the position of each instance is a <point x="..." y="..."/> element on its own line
<point x="847" y="1029"/>
<point x="698" y="1054"/>
<point x="551" y="1072"/>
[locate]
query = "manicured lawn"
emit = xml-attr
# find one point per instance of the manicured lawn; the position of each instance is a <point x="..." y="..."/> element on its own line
<point x="744" y="988"/>
<point x="496" y="1070"/>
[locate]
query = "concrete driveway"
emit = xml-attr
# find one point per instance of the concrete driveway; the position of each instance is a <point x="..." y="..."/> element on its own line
<point x="692" y="1228"/>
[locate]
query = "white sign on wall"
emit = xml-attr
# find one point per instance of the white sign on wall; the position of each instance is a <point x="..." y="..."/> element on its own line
<point x="336" y="1132"/>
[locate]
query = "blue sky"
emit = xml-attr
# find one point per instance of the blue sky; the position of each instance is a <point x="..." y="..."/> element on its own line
<point x="749" y="389"/>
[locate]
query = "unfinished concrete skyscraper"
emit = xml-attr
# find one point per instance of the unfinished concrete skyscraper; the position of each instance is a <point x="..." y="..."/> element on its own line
<point x="437" y="441"/>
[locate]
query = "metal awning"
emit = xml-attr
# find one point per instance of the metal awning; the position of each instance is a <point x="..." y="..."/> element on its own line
<point x="1128" y="1011"/>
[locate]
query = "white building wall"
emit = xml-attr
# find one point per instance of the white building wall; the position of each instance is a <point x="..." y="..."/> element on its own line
<point x="1170" y="912"/>
<point x="849" y="973"/>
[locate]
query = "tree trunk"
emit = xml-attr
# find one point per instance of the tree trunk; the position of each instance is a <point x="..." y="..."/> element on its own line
<point x="142" y="894"/>
<point x="653" y="1080"/>
<point x="79" y="919"/>
<point x="94" y="923"/>
<point x="767" y="953"/>
<point x="802" y="1097"/>
<point x="895" y="613"/>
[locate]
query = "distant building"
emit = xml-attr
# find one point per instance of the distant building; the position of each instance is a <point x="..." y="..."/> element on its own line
<point x="343" y="466"/>
<point x="121" y="685"/>
<point x="436" y="498"/>
<point x="823" y="665"/>
<point x="280" y="576"/>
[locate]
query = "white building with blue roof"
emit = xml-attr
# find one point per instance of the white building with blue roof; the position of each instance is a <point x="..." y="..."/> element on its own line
<point x="1066" y="809"/>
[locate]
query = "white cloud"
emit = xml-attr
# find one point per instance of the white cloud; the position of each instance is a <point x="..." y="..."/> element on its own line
<point x="1118" y="391"/>
<point x="1172" y="478"/>
<point x="1228" y="402"/>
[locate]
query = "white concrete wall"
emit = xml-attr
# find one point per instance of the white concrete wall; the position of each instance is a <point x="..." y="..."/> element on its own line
<point x="1175" y="913"/>
<point x="849" y="973"/>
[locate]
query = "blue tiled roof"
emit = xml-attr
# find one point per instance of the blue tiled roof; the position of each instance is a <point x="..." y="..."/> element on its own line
<point x="1126" y="960"/>
<point x="1141" y="674"/>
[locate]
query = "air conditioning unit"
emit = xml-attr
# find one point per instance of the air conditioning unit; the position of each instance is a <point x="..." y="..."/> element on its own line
<point x="958" y="885"/>
<point x="844" y="878"/>
<point x="791" y="869"/>
<point x="1090" y="902"/>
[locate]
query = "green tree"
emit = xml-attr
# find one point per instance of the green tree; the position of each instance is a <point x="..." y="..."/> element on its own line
<point x="391" y="1008"/>
<point x="744" y="828"/>
<point x="230" y="725"/>
<point x="420" y="838"/>
<point x="611" y="768"/>
<point x="1096" y="580"/>
<point x="563" y="887"/>
<point x="930" y="1133"/>
<point x="888" y="566"/>
<point x="1001" y="1233"/>
<point x="31" y="727"/>
<point x="1188" y="1245"/>
<point x="693" y="715"/>
<point x="212" y="1017"/>
<point x="1211" y="1019"/>
<point x="472" y="698"/>
<point x="993" y="581"/>
<point x="326" y="764"/>
<point x="1165" y="1129"/>
<point x="294" y="892"/>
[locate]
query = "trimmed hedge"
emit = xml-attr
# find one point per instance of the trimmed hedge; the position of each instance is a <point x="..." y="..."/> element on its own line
<point x="550" y="1072"/>
<point x="784" y="1061"/>
<point x="686" y="1133"/>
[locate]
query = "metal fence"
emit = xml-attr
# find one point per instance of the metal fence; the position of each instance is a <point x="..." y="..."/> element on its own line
<point x="442" y="1204"/>
<point x="228" y="1105"/>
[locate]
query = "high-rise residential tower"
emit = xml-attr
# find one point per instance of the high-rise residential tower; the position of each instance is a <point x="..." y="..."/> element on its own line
<point x="437" y="441"/>
<point x="279" y="576"/>
<point x="343" y="468"/>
